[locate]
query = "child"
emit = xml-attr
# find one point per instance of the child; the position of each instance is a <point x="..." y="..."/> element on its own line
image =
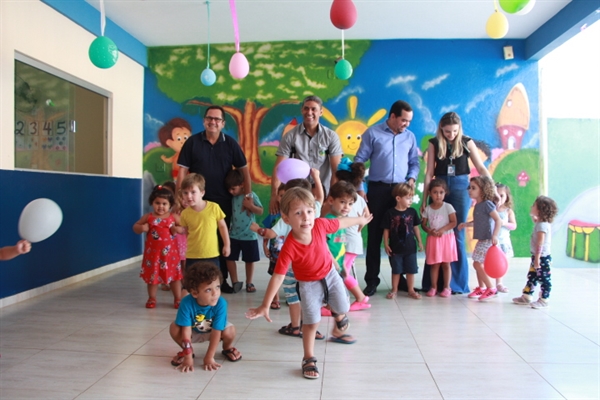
<point x="486" y="225"/>
<point x="202" y="317"/>
<point x="200" y="221"/>
<point x="439" y="220"/>
<point x="10" y="252"/>
<point x="342" y="196"/>
<point x="280" y="232"/>
<point x="180" y="240"/>
<point x="319" y="282"/>
<point x="243" y="240"/>
<point x="509" y="223"/>
<point x="161" y="256"/>
<point x="272" y="247"/>
<point x="543" y="211"/>
<point x="400" y="228"/>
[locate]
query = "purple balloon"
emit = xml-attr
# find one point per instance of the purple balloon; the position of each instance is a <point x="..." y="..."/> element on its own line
<point x="292" y="168"/>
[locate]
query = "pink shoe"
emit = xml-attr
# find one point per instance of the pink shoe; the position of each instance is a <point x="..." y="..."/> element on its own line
<point x="325" y="312"/>
<point x="475" y="294"/>
<point x="431" y="293"/>
<point x="362" y="305"/>
<point x="488" y="294"/>
<point x="446" y="293"/>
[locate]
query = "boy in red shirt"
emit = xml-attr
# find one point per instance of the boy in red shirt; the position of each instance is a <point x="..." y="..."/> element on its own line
<point x="306" y="249"/>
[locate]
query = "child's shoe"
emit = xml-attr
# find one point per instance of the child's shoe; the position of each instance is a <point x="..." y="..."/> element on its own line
<point x="475" y="294"/>
<point x="360" y="305"/>
<point x="501" y="288"/>
<point x="488" y="294"/>
<point x="446" y="293"/>
<point x="541" y="303"/>
<point x="325" y="312"/>
<point x="431" y="292"/>
<point x="523" y="300"/>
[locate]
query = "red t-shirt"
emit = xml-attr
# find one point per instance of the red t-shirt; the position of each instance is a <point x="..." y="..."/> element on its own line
<point x="310" y="262"/>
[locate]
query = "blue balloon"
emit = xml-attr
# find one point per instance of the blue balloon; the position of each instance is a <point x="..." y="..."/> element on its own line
<point x="208" y="77"/>
<point x="343" y="69"/>
<point x="103" y="52"/>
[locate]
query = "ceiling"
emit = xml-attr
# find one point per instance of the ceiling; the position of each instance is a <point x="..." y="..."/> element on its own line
<point x="181" y="22"/>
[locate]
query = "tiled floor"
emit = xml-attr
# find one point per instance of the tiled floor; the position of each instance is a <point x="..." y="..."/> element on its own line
<point x="95" y="340"/>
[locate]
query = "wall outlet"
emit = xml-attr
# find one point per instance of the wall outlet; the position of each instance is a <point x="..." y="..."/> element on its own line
<point x="508" y="53"/>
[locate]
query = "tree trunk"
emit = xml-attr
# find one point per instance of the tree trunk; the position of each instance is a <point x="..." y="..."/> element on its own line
<point x="248" y="137"/>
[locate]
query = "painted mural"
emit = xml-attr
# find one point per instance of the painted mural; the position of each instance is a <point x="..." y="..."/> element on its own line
<point x="494" y="98"/>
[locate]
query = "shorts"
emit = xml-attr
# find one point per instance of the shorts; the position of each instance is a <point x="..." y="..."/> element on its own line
<point x="481" y="249"/>
<point x="201" y="337"/>
<point x="290" y="287"/>
<point x="404" y="263"/>
<point x="313" y="297"/>
<point x="248" y="248"/>
<point x="190" y="261"/>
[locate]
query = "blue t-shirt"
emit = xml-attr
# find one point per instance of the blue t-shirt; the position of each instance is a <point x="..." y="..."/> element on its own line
<point x="202" y="319"/>
<point x="241" y="221"/>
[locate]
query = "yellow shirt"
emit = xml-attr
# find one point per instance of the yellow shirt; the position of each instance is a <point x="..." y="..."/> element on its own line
<point x="202" y="241"/>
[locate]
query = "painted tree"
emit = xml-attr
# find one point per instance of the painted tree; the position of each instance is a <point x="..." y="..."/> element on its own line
<point x="282" y="72"/>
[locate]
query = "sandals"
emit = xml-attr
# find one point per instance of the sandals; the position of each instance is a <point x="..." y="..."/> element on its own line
<point x="290" y="330"/>
<point x="342" y="324"/>
<point x="306" y="368"/>
<point x="237" y="286"/>
<point x="176" y="362"/>
<point x="230" y="354"/>
<point x="151" y="303"/>
<point x="391" y="295"/>
<point x="319" y="336"/>
<point x="414" y="295"/>
<point x="360" y="305"/>
<point x="275" y="305"/>
<point x="250" y="288"/>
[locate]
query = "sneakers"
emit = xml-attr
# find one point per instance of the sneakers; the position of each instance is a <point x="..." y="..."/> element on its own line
<point x="488" y="294"/>
<point x="522" y="300"/>
<point x="446" y="293"/>
<point x="431" y="293"/>
<point x="475" y="294"/>
<point x="541" y="303"/>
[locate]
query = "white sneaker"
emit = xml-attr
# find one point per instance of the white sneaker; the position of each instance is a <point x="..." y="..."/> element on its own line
<point x="541" y="303"/>
<point x="522" y="300"/>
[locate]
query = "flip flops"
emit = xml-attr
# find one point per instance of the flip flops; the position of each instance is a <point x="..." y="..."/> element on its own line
<point x="230" y="354"/>
<point x="275" y="305"/>
<point x="341" y="339"/>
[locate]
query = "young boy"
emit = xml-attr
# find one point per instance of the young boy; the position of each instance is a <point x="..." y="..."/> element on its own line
<point x="279" y="232"/>
<point x="342" y="196"/>
<point x="400" y="228"/>
<point x="200" y="221"/>
<point x="306" y="250"/>
<point x="243" y="240"/>
<point x="202" y="316"/>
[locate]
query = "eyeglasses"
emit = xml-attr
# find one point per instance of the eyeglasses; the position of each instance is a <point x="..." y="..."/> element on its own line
<point x="213" y="119"/>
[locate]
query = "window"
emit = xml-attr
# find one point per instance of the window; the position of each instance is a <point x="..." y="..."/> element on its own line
<point x="59" y="125"/>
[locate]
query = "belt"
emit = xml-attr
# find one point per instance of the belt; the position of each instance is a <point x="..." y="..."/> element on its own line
<point x="375" y="183"/>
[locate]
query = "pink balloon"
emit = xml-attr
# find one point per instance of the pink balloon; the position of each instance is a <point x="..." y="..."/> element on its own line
<point x="238" y="66"/>
<point x="343" y="14"/>
<point x="495" y="263"/>
<point x="292" y="168"/>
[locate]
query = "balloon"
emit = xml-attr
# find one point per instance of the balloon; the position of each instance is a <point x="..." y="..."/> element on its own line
<point x="343" y="69"/>
<point x="103" y="52"/>
<point x="208" y="77"/>
<point x="238" y="66"/>
<point x="527" y="8"/>
<point x="513" y="6"/>
<point x="39" y="220"/>
<point x="292" y="168"/>
<point x="343" y="14"/>
<point x="495" y="263"/>
<point x="497" y="25"/>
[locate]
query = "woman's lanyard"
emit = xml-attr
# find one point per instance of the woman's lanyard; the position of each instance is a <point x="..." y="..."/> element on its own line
<point x="451" y="166"/>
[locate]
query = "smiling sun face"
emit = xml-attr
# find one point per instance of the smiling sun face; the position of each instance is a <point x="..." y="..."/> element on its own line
<point x="350" y="131"/>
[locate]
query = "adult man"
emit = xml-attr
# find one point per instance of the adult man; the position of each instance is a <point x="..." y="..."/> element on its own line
<point x="392" y="149"/>
<point x="212" y="154"/>
<point x="312" y="142"/>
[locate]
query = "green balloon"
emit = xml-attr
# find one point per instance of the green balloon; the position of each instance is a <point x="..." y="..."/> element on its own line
<point x="103" y="52"/>
<point x="513" y="6"/>
<point x="343" y="69"/>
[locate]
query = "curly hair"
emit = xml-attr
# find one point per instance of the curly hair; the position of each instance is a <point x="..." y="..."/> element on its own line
<point x="162" y="192"/>
<point x="201" y="272"/>
<point x="509" y="198"/>
<point x="402" y="189"/>
<point x="488" y="189"/>
<point x="355" y="176"/>
<point x="547" y="208"/>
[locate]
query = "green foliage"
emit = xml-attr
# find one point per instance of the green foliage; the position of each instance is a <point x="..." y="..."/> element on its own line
<point x="160" y="171"/>
<point x="278" y="70"/>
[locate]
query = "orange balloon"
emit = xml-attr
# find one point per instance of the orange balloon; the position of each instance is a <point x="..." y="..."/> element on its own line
<point x="495" y="264"/>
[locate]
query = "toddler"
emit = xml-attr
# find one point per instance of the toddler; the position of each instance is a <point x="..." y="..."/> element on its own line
<point x="509" y="223"/>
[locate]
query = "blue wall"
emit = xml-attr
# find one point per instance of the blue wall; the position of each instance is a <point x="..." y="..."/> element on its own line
<point x="98" y="213"/>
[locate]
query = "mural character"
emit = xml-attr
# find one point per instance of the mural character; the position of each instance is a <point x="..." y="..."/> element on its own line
<point x="173" y="135"/>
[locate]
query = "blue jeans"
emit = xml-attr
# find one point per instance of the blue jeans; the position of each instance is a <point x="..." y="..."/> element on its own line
<point x="458" y="197"/>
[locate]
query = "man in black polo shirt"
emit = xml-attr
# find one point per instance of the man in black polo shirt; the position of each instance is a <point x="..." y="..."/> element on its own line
<point x="212" y="154"/>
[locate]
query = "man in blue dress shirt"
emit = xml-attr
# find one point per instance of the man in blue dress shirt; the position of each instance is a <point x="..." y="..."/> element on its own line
<point x="393" y="152"/>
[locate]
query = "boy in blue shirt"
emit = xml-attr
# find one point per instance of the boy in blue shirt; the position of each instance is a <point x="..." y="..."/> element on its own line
<point x="201" y="317"/>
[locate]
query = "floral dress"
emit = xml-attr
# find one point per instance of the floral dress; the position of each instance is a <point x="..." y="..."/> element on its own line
<point x="161" y="262"/>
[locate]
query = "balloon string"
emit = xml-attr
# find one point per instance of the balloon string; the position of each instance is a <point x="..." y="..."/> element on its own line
<point x="102" y="18"/>
<point x="236" y="30"/>
<point x="342" y="44"/>
<point x="495" y="5"/>
<point x="208" y="16"/>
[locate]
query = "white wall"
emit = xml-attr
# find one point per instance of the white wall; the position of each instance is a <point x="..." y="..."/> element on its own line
<point x="39" y="32"/>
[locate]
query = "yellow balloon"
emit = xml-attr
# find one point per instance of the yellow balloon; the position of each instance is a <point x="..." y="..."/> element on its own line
<point x="497" y="25"/>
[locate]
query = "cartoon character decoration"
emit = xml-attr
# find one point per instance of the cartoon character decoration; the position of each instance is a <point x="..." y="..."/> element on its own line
<point x="513" y="119"/>
<point x="201" y="324"/>
<point x="173" y="135"/>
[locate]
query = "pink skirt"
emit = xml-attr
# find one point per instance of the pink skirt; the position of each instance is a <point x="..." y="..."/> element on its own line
<point x="181" y="241"/>
<point x="441" y="249"/>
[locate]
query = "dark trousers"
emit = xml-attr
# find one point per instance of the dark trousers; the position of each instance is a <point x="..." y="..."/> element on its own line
<point x="227" y="209"/>
<point x="380" y="200"/>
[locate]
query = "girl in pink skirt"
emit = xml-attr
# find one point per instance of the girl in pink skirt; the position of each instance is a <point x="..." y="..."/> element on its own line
<point x="439" y="220"/>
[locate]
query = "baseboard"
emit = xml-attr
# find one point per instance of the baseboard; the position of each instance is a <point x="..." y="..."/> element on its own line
<point x="7" y="301"/>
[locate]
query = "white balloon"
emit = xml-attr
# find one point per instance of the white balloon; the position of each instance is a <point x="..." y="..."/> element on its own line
<point x="39" y="220"/>
<point x="527" y="8"/>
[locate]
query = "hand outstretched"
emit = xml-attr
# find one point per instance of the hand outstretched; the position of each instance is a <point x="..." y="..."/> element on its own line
<point x="260" y="311"/>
